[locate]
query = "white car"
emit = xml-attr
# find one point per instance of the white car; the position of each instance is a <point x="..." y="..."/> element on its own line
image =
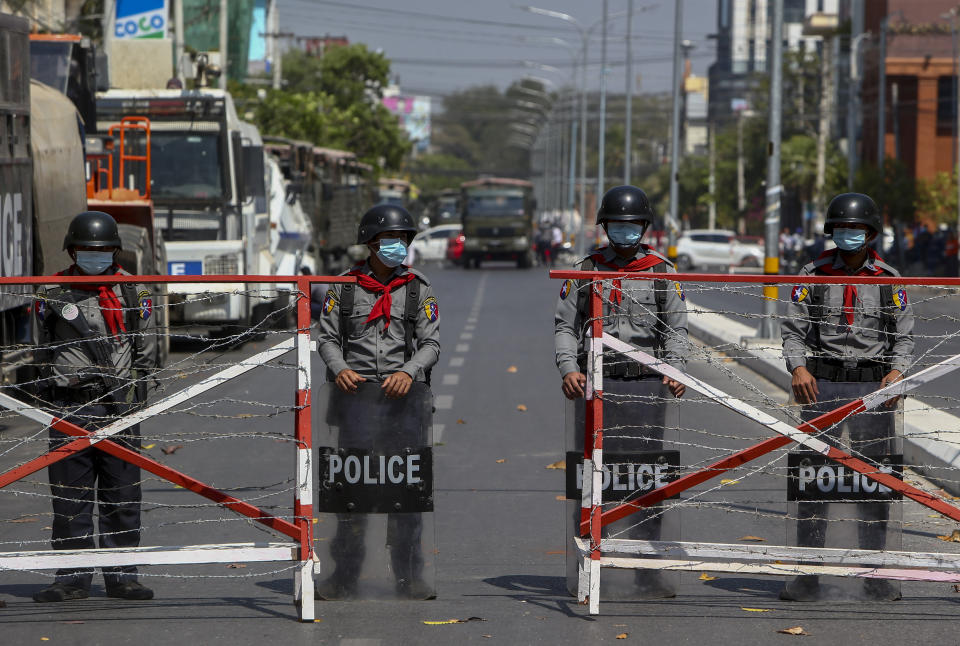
<point x="705" y="247"/>
<point x="431" y="245"/>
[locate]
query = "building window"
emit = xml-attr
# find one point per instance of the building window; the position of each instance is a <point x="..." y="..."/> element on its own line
<point x="946" y="101"/>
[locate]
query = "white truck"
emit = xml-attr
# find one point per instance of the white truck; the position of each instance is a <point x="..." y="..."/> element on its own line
<point x="210" y="207"/>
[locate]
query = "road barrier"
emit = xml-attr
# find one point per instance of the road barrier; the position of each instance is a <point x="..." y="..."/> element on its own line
<point x="851" y="462"/>
<point x="176" y="416"/>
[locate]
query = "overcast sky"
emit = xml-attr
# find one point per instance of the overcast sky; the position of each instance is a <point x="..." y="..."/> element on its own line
<point x="438" y="46"/>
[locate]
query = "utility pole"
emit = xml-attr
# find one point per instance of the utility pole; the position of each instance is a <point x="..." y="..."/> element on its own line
<point x="627" y="136"/>
<point x="823" y="130"/>
<point x="179" y="42"/>
<point x="277" y="59"/>
<point x="741" y="189"/>
<point x="712" y="185"/>
<point x="673" y="219"/>
<point x="571" y="181"/>
<point x="882" y="97"/>
<point x="856" y="38"/>
<point x="224" y="36"/>
<point x="895" y="116"/>
<point x="771" y="262"/>
<point x="601" y="158"/>
<point x="109" y="24"/>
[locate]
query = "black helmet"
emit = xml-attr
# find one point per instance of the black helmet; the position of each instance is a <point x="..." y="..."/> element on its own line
<point x="852" y="208"/>
<point x="92" y="229"/>
<point x="625" y="204"/>
<point x="384" y="217"/>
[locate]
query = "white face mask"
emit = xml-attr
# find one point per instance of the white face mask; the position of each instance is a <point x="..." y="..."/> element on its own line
<point x="94" y="262"/>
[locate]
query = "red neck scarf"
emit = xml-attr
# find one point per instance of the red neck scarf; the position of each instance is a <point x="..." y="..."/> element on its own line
<point x="637" y="264"/>
<point x="849" y="291"/>
<point x="383" y="304"/>
<point x="110" y="307"/>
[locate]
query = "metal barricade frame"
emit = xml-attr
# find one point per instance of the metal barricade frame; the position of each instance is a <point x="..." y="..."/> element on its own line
<point x="902" y="565"/>
<point x="300" y="530"/>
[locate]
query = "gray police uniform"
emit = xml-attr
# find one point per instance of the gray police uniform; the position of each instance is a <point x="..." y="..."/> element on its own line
<point x="848" y="361"/>
<point x="652" y="316"/>
<point x="376" y="351"/>
<point x="90" y="377"/>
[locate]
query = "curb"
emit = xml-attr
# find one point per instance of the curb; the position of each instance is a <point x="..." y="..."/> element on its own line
<point x="931" y="437"/>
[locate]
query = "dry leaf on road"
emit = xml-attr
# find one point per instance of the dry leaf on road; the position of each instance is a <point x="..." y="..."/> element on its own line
<point x="559" y="464"/>
<point x="727" y="481"/>
<point x="453" y="621"/>
<point x="707" y="577"/>
<point x="170" y="450"/>
<point x="952" y="538"/>
<point x="512" y="369"/>
<point x="460" y="421"/>
<point x="148" y="446"/>
<point x="622" y="636"/>
<point x="752" y="538"/>
<point x="561" y="497"/>
<point x="235" y="566"/>
<point x="24" y="519"/>
<point x="756" y="609"/>
<point x="501" y="460"/>
<point x="521" y="407"/>
<point x="796" y="630"/>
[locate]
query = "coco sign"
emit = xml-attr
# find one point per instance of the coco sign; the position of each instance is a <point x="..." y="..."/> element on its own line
<point x="141" y="19"/>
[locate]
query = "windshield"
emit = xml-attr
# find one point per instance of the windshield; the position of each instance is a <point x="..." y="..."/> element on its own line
<point x="186" y="166"/>
<point x="50" y="64"/>
<point x="494" y="203"/>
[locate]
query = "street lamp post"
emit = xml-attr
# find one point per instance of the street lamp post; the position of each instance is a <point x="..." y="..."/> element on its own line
<point x="673" y="216"/>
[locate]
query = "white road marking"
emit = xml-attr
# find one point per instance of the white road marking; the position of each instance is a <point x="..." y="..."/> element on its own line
<point x="469" y="328"/>
<point x="456" y="362"/>
<point x="451" y="380"/>
<point x="466" y="336"/>
<point x="443" y="402"/>
<point x="438" y="430"/>
<point x="462" y="347"/>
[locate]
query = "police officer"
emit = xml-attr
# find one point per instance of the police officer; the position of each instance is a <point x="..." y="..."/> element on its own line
<point x="649" y="314"/>
<point x="96" y="349"/>
<point x="841" y="342"/>
<point x="377" y="338"/>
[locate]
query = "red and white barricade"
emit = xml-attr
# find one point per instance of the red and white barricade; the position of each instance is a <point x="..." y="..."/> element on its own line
<point x="597" y="550"/>
<point x="298" y="528"/>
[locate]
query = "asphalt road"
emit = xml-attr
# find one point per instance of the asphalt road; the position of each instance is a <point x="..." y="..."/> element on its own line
<point x="500" y="528"/>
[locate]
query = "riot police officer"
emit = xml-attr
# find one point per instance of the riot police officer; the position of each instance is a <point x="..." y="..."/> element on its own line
<point x="95" y="351"/>
<point x="841" y="342"/>
<point x="383" y="330"/>
<point x="649" y="314"/>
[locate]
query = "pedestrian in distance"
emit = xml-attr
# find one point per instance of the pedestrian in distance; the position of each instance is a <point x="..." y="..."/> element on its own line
<point x="384" y="330"/>
<point x="648" y="314"/>
<point x="841" y="342"/>
<point x="96" y="349"/>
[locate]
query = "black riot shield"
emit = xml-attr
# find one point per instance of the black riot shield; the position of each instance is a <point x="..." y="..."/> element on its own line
<point x="834" y="506"/>
<point x="640" y="454"/>
<point x="375" y="529"/>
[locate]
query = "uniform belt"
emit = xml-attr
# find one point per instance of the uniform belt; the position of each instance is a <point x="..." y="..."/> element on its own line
<point x="852" y="370"/>
<point x="628" y="370"/>
<point x="78" y="394"/>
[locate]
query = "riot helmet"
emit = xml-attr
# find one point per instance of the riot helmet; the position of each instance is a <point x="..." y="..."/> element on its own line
<point x="627" y="204"/>
<point x="852" y="208"/>
<point x="385" y="217"/>
<point x="92" y="229"/>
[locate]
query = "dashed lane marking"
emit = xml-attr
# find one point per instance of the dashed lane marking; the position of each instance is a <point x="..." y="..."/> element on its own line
<point x="443" y="402"/>
<point x="451" y="380"/>
<point x="456" y="362"/>
<point x="462" y="348"/>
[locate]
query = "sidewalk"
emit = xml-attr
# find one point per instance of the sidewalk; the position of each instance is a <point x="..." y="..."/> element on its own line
<point x="931" y="437"/>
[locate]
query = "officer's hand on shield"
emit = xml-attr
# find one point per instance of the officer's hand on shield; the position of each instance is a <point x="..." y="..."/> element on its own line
<point x="347" y="380"/>
<point x="676" y="388"/>
<point x="804" y="386"/>
<point x="892" y="377"/>
<point x="573" y="384"/>
<point x="397" y="385"/>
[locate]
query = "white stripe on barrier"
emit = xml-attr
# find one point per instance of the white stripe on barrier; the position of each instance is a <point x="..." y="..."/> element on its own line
<point x="303" y="360"/>
<point x="123" y="556"/>
<point x="304" y="477"/>
<point x="586" y="491"/>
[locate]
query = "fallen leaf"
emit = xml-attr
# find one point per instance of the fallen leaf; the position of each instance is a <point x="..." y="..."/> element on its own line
<point x="561" y="498"/>
<point x="453" y="621"/>
<point x="486" y="636"/>
<point x="952" y="538"/>
<point x="47" y="527"/>
<point x="752" y="538"/>
<point x="956" y="587"/>
<point x="170" y="450"/>
<point x="512" y="369"/>
<point x="236" y="566"/>
<point x="149" y="446"/>
<point x="501" y="460"/>
<point x="622" y="636"/>
<point x="933" y="515"/>
<point x="559" y="464"/>
<point x="556" y="552"/>
<point x="756" y="609"/>
<point x="727" y="481"/>
<point x="24" y="519"/>
<point x="460" y="421"/>
<point x="521" y="407"/>
<point x="316" y="520"/>
<point x="707" y="577"/>
<point x="796" y="630"/>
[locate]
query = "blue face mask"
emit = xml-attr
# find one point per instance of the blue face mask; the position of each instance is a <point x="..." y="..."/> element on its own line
<point x="624" y="234"/>
<point x="849" y="239"/>
<point x="392" y="251"/>
<point x="94" y="262"/>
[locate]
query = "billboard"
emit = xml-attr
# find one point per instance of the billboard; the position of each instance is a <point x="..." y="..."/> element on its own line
<point x="141" y="19"/>
<point x="414" y="115"/>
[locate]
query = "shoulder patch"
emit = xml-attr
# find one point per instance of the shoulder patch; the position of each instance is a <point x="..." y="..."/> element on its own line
<point x="565" y="289"/>
<point x="900" y="298"/>
<point x="330" y="301"/>
<point x="432" y="309"/>
<point x="40" y="305"/>
<point x="799" y="293"/>
<point x="677" y="286"/>
<point x="146" y="304"/>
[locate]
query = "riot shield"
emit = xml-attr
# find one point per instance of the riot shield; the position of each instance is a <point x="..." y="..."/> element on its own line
<point x="831" y="505"/>
<point x="640" y="454"/>
<point x="375" y="530"/>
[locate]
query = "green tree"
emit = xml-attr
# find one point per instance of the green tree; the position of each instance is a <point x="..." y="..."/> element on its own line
<point x="937" y="198"/>
<point x="434" y="172"/>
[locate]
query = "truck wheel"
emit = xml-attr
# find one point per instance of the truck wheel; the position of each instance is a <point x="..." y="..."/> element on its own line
<point x="139" y="259"/>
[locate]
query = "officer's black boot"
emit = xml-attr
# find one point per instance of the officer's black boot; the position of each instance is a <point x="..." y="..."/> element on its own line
<point x="803" y="588"/>
<point x="61" y="592"/>
<point x="129" y="590"/>
<point x="880" y="590"/>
